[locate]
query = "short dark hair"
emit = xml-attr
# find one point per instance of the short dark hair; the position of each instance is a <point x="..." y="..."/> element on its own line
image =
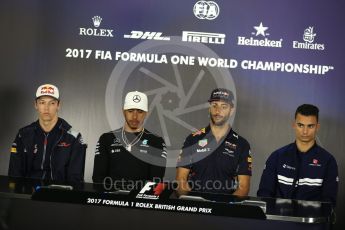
<point x="58" y="100"/>
<point x="308" y="110"/>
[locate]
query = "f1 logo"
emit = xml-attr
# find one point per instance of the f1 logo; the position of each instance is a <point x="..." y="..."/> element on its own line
<point x="147" y="187"/>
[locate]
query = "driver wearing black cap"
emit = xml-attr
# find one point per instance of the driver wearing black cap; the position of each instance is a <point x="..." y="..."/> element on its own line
<point x="215" y="158"/>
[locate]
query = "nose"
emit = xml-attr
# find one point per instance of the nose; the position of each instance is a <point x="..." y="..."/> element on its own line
<point x="135" y="114"/>
<point x="305" y="130"/>
<point x="217" y="109"/>
<point x="46" y="107"/>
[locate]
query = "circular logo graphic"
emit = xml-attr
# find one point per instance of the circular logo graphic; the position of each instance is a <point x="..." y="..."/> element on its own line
<point x="177" y="93"/>
<point x="136" y="98"/>
<point x="206" y="10"/>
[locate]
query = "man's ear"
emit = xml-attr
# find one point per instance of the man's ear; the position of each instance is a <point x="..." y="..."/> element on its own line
<point x="59" y="105"/>
<point x="233" y="109"/>
<point x="318" y="127"/>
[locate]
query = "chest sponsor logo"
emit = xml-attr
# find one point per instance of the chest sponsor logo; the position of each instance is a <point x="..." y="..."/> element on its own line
<point x="285" y="166"/>
<point x="144" y="143"/>
<point x="230" y="145"/>
<point x="116" y="143"/>
<point x="202" y="143"/>
<point x="143" y="151"/>
<point x="315" y="162"/>
<point x="203" y="150"/>
<point x="63" y="144"/>
<point x="228" y="152"/>
<point x="115" y="150"/>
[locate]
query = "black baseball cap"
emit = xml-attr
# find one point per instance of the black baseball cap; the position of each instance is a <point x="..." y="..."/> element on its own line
<point x="221" y="94"/>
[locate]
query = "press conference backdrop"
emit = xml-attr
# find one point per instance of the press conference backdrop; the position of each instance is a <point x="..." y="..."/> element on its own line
<point x="273" y="54"/>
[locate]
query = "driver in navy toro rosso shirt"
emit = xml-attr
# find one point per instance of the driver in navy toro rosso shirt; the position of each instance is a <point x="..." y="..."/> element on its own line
<point x="302" y="170"/>
<point x="48" y="149"/>
<point x="215" y="159"/>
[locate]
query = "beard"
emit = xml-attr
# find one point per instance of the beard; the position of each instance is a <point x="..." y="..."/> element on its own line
<point x="218" y="120"/>
<point x="134" y="124"/>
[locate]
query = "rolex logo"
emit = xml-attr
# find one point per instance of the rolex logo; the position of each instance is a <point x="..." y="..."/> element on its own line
<point x="97" y="21"/>
<point x="96" y="31"/>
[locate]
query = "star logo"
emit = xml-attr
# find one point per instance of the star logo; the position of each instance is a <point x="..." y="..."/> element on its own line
<point x="136" y="98"/>
<point x="260" y="30"/>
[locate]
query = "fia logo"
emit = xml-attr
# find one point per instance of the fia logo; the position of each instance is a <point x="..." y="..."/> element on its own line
<point x="206" y="10"/>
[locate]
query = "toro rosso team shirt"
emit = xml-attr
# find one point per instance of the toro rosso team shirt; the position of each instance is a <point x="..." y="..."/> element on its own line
<point x="312" y="175"/>
<point x="58" y="155"/>
<point x="215" y="166"/>
<point x="43" y="146"/>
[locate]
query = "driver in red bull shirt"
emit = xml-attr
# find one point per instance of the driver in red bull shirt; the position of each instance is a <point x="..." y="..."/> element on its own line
<point x="215" y="159"/>
<point x="48" y="149"/>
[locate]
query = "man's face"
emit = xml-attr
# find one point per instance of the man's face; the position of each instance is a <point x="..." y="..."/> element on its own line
<point x="220" y="112"/>
<point x="134" y="118"/>
<point x="47" y="108"/>
<point x="306" y="128"/>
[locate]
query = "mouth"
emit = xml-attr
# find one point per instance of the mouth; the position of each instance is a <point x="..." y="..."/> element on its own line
<point x="134" y="123"/>
<point x="218" y="117"/>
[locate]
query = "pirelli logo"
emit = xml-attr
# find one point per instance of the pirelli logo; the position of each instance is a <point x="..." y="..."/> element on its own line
<point x="202" y="37"/>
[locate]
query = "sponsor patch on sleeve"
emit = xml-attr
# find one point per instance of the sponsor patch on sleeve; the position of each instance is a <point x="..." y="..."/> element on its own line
<point x="249" y="159"/>
<point x="14" y="147"/>
<point x="199" y="132"/>
<point x="13" y="150"/>
<point x="81" y="140"/>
